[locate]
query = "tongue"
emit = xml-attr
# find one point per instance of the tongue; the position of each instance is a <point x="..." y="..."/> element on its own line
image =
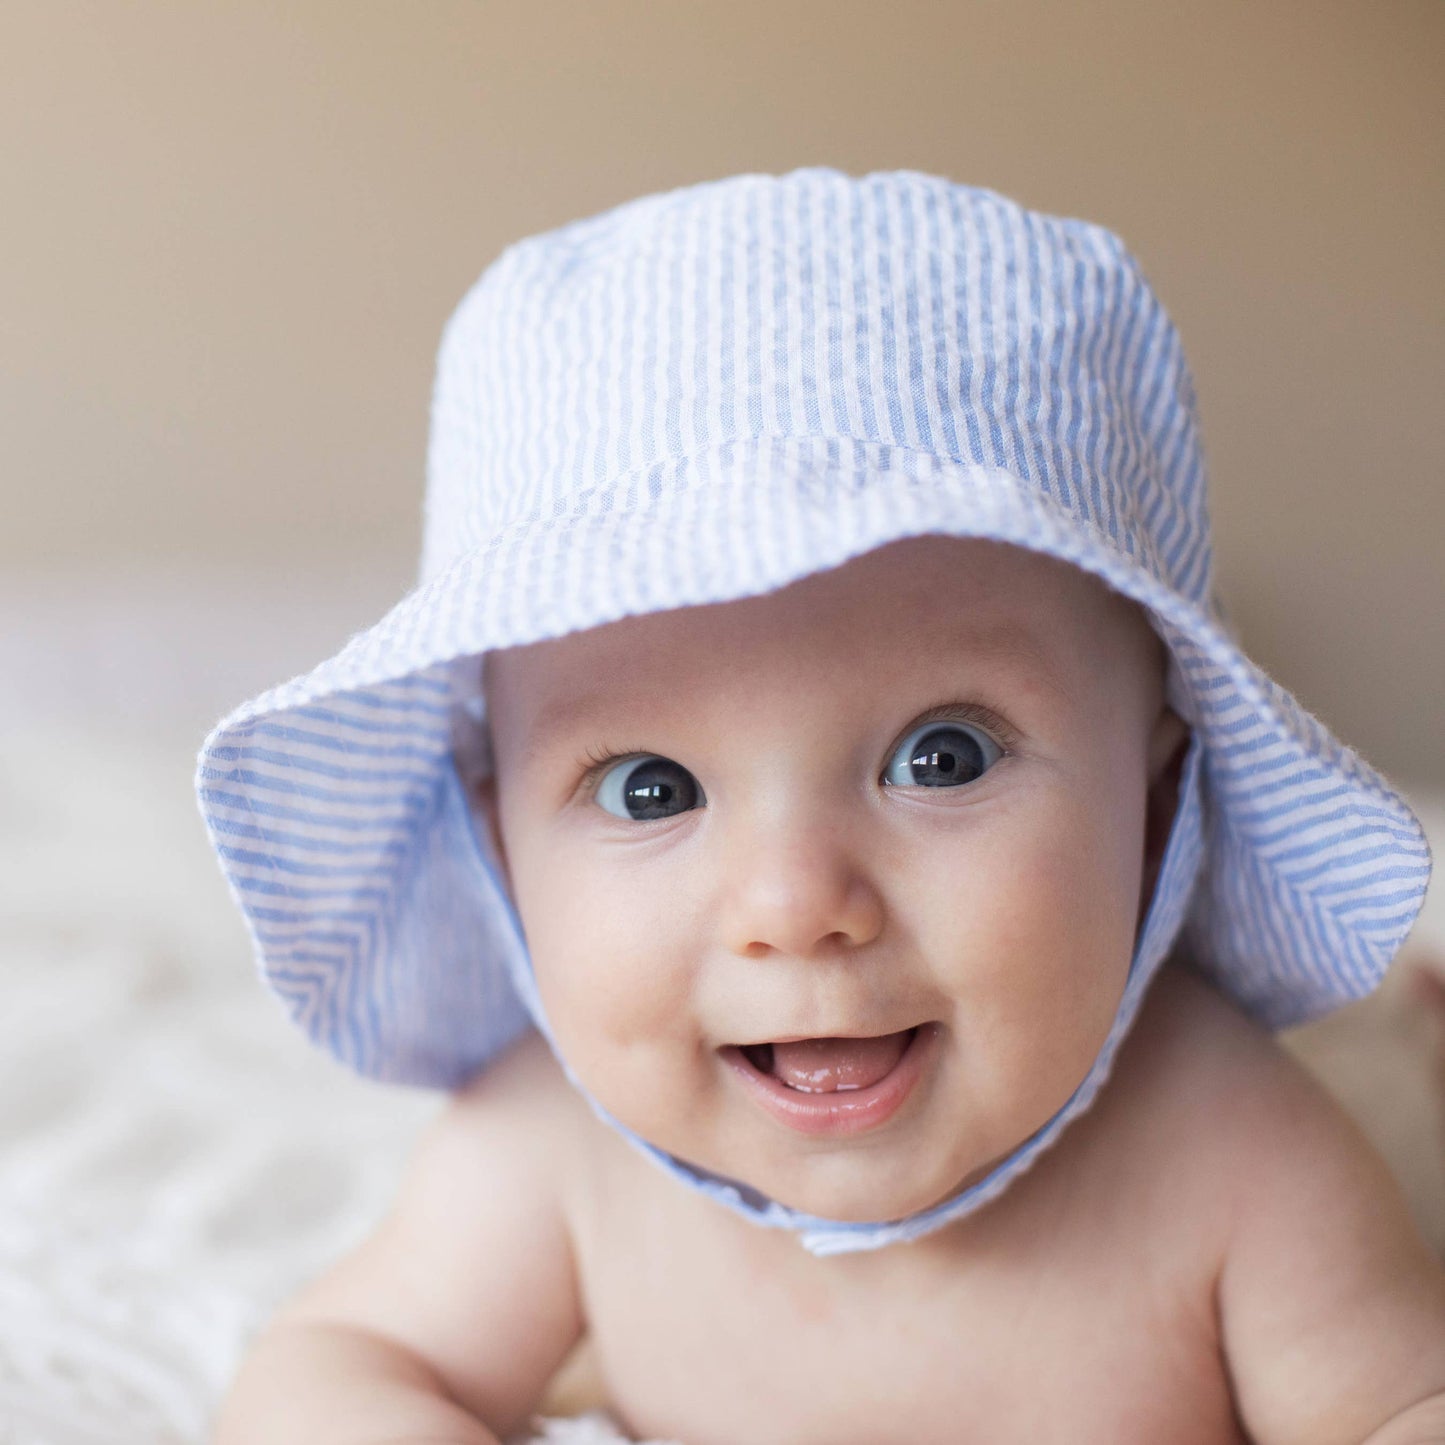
<point x="824" y="1066"/>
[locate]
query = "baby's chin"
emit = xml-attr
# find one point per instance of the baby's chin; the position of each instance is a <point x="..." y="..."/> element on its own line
<point x="847" y="1184"/>
<point x="874" y="1201"/>
<point x="863" y="1206"/>
<point x="859" y="1190"/>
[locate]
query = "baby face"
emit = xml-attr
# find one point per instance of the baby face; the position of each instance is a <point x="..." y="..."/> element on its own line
<point x="834" y="891"/>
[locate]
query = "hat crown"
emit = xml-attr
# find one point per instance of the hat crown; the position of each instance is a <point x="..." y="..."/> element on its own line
<point x="591" y="364"/>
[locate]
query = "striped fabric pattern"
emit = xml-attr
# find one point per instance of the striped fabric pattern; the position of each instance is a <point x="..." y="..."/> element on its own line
<point x="704" y="395"/>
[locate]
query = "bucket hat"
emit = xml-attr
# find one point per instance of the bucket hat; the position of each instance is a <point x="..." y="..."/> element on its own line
<point x="707" y="394"/>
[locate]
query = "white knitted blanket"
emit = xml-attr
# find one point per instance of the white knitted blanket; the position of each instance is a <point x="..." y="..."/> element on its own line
<point x="173" y="1160"/>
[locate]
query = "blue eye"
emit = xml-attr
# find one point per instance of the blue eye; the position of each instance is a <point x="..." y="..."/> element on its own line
<point x="649" y="787"/>
<point x="941" y="755"/>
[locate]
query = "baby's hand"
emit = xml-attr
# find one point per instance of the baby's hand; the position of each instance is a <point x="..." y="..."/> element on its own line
<point x="314" y="1382"/>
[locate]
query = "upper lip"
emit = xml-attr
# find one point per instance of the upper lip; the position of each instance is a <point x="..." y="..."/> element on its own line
<point x="837" y="1034"/>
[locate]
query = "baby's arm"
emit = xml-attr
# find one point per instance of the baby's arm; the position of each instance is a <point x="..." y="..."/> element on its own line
<point x="445" y="1326"/>
<point x="1331" y="1307"/>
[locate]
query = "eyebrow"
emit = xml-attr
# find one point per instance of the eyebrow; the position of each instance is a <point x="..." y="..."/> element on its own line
<point x="1005" y="640"/>
<point x="1011" y="639"/>
<point x="557" y="716"/>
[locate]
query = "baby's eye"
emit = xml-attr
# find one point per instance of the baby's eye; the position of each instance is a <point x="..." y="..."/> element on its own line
<point x="648" y="787"/>
<point x="941" y="755"/>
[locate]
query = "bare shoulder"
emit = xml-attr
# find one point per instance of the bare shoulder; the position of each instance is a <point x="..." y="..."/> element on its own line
<point x="1199" y="1087"/>
<point x="522" y="1097"/>
<point x="1199" y="1069"/>
<point x="1332" y="1310"/>
<point x="1189" y="1032"/>
<point x="472" y="1272"/>
<point x="506" y="1144"/>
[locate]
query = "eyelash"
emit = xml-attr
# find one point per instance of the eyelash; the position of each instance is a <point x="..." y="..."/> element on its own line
<point x="974" y="714"/>
<point x="598" y="761"/>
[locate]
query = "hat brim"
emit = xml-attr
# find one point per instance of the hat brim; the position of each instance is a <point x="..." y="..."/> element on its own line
<point x="332" y="800"/>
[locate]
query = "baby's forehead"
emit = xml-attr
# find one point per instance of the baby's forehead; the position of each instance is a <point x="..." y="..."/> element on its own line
<point x="909" y="609"/>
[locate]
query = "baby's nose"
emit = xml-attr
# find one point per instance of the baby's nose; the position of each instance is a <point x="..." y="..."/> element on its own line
<point x="799" y="892"/>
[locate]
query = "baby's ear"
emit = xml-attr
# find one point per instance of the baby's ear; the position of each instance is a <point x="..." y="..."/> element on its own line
<point x="472" y="755"/>
<point x="1167" y="746"/>
<point x="480" y="789"/>
<point x="471" y="738"/>
<point x="484" y="810"/>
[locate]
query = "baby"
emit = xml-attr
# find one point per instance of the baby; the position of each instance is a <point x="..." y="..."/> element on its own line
<point x="813" y="817"/>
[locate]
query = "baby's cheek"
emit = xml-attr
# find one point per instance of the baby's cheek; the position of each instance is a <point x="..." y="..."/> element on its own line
<point x="611" y="963"/>
<point x="1045" y="941"/>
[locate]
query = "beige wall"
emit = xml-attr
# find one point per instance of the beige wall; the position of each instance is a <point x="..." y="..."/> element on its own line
<point x="232" y="232"/>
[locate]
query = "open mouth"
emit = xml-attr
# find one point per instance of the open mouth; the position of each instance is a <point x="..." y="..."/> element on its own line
<point x="834" y="1085"/>
<point x="830" y="1066"/>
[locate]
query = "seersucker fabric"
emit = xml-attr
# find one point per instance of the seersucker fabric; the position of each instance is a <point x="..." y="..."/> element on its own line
<point x="705" y="395"/>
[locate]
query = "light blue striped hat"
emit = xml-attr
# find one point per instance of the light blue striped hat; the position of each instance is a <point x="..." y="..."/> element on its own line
<point x="707" y="394"/>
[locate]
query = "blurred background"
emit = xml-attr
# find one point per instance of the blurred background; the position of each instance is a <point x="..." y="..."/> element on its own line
<point x="232" y="233"/>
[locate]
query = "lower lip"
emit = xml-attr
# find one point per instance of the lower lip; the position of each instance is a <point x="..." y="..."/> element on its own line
<point x="846" y="1111"/>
